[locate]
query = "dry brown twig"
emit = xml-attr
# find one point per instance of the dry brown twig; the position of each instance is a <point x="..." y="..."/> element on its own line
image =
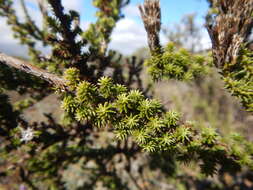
<point x="31" y="69"/>
<point x="151" y="17"/>
<point x="229" y="29"/>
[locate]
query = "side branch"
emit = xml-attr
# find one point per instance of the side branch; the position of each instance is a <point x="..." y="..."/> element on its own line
<point x="30" y="69"/>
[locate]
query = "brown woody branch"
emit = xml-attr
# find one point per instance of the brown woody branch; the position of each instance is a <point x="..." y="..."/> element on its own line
<point x="229" y="29"/>
<point x="151" y="17"/>
<point x="30" y="69"/>
<point x="65" y="24"/>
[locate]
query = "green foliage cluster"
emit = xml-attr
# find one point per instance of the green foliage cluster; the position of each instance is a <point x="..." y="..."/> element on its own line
<point x="108" y="14"/>
<point x="238" y="78"/>
<point x="177" y="64"/>
<point x="129" y="113"/>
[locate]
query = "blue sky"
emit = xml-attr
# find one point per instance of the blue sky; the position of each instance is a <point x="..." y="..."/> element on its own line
<point x="129" y="33"/>
<point x="172" y="10"/>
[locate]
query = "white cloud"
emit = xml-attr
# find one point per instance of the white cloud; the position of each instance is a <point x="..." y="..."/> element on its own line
<point x="7" y="43"/>
<point x="32" y="9"/>
<point x="128" y="36"/>
<point x="73" y="4"/>
<point x="68" y="4"/>
<point x="205" y="40"/>
<point x="131" y="11"/>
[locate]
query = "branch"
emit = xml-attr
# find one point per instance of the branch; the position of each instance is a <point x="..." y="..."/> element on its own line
<point x="229" y="29"/>
<point x="65" y="24"/>
<point x="151" y="17"/>
<point x="30" y="69"/>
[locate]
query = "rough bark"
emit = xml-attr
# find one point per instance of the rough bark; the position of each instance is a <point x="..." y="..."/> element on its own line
<point x="151" y="17"/>
<point x="230" y="29"/>
<point x="31" y="69"/>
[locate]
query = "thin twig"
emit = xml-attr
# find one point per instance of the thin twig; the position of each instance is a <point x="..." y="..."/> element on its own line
<point x="30" y="69"/>
<point x="151" y="17"/>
